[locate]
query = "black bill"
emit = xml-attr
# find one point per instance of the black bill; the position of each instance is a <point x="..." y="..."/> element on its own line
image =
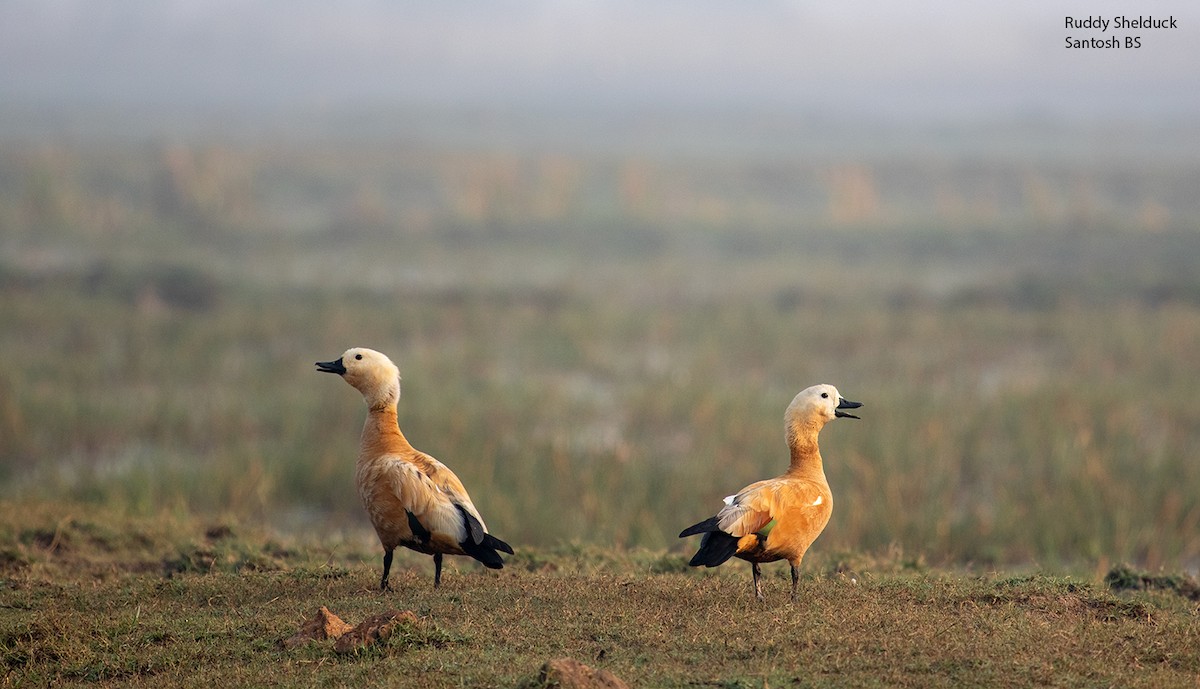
<point x="332" y="366"/>
<point x="846" y="404"/>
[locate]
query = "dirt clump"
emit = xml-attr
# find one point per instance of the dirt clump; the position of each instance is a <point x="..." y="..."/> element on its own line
<point x="321" y="626"/>
<point x="372" y="630"/>
<point x="568" y="673"/>
<point x="347" y="638"/>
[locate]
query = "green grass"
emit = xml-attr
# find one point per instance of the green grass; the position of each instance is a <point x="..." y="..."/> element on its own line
<point x="95" y="597"/>
<point x="989" y="435"/>
<point x="603" y="348"/>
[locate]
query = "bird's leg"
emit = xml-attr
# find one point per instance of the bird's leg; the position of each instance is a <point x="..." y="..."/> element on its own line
<point x="387" y="567"/>
<point x="795" y="578"/>
<point x="757" y="580"/>
<point x="437" y="570"/>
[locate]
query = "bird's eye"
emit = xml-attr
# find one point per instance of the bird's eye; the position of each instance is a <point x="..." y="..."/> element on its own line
<point x="825" y="395"/>
<point x="358" y="357"/>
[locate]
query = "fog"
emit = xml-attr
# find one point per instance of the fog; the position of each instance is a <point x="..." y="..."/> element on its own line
<point x="870" y="58"/>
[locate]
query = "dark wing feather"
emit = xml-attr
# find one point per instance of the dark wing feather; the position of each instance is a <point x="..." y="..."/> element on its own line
<point x="705" y="526"/>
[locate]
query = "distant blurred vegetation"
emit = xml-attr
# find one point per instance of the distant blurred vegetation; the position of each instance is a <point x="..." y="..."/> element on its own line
<point x="602" y="345"/>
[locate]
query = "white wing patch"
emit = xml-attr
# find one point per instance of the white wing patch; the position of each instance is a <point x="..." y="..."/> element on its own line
<point x="729" y="499"/>
<point x="816" y="502"/>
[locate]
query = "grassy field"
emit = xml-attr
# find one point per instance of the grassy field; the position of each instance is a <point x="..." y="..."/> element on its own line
<point x="601" y="345"/>
<point x="94" y="598"/>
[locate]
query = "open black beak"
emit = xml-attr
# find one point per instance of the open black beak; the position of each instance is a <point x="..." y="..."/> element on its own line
<point x="846" y="404"/>
<point x="332" y="366"/>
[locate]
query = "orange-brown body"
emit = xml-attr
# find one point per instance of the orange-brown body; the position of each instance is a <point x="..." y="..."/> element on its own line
<point x="779" y="518"/>
<point x="412" y="499"/>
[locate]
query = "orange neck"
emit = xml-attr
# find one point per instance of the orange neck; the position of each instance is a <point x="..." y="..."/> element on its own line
<point x="806" y="454"/>
<point x="381" y="433"/>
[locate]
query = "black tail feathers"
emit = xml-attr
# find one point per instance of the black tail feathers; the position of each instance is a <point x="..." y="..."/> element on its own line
<point x="492" y="541"/>
<point x="482" y="545"/>
<point x="715" y="548"/>
<point x="705" y="526"/>
<point x="485" y="552"/>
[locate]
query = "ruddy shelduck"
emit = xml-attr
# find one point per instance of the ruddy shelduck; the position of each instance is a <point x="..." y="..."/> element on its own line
<point x="778" y="519"/>
<point x="413" y="500"/>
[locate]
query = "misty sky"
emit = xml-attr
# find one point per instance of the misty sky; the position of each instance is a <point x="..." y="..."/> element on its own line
<point x="960" y="59"/>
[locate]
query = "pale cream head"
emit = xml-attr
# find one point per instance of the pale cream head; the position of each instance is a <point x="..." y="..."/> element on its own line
<point x="819" y="404"/>
<point x="370" y="372"/>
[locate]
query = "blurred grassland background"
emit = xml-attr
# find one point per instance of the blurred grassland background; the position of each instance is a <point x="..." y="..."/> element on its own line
<point x="601" y="340"/>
